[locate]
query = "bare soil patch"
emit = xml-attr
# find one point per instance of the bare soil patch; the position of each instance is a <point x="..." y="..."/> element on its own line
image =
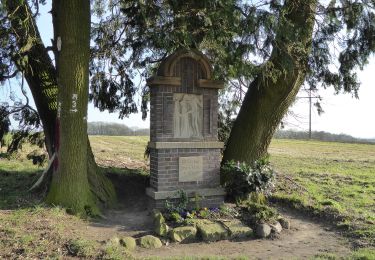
<point x="305" y="239"/>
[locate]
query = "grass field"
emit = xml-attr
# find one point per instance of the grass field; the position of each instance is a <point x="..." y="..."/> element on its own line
<point x="336" y="180"/>
<point x="120" y="151"/>
<point x="333" y="180"/>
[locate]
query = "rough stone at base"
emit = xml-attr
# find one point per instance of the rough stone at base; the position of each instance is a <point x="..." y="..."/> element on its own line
<point x="276" y="227"/>
<point x="114" y="241"/>
<point x="160" y="227"/>
<point x="183" y="234"/>
<point x="128" y="242"/>
<point x="263" y="230"/>
<point x="237" y="229"/>
<point x="284" y="223"/>
<point x="150" y="242"/>
<point x="211" y="231"/>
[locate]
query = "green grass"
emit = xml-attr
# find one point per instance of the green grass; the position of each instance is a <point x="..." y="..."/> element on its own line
<point x="17" y="175"/>
<point x="34" y="232"/>
<point x="360" y="254"/>
<point x="29" y="229"/>
<point x="116" y="148"/>
<point x="335" y="180"/>
<point x="198" y="258"/>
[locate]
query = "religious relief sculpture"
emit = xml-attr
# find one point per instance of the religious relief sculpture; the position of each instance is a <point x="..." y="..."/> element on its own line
<point x="188" y="115"/>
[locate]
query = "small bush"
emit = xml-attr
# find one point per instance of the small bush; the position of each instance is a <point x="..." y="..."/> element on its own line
<point x="81" y="248"/>
<point x="242" y="179"/>
<point x="363" y="254"/>
<point x="179" y="205"/>
<point x="115" y="252"/>
<point x="37" y="157"/>
<point x="258" y="213"/>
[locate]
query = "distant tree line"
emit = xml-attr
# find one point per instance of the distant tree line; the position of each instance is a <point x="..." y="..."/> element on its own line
<point x="103" y="128"/>
<point x="321" y="136"/>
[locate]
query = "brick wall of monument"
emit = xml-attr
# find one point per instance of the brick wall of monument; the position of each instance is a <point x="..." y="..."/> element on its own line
<point x="161" y="113"/>
<point x="164" y="168"/>
<point x="192" y="163"/>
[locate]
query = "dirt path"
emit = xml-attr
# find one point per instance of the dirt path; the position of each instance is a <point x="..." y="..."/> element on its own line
<point x="306" y="238"/>
<point x="303" y="240"/>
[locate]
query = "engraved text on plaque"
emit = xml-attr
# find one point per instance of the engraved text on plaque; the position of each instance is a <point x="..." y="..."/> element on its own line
<point x="190" y="168"/>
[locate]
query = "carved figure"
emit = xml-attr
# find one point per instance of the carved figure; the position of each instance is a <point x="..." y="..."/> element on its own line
<point x="187" y="115"/>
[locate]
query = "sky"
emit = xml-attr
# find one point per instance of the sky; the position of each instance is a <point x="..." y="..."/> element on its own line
<point x="343" y="113"/>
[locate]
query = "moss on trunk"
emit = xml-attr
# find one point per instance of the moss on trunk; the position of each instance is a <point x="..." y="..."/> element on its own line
<point x="100" y="185"/>
<point x="70" y="186"/>
<point x="41" y="77"/>
<point x="275" y="88"/>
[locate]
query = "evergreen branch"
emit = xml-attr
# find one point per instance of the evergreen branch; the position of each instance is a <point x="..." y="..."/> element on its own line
<point x="4" y="77"/>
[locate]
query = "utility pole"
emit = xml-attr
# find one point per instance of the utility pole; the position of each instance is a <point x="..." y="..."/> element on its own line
<point x="310" y="104"/>
<point x="310" y="97"/>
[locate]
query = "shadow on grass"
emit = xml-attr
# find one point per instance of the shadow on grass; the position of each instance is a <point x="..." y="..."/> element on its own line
<point x="14" y="186"/>
<point x="130" y="186"/>
<point x="131" y="213"/>
<point x="3" y="155"/>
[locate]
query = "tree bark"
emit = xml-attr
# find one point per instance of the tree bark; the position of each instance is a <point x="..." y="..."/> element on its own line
<point x="70" y="185"/>
<point x="275" y="88"/>
<point x="40" y="74"/>
<point x="36" y="65"/>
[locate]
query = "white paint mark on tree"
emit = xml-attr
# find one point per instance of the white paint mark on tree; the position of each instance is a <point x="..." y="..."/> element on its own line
<point x="58" y="110"/>
<point x="58" y="43"/>
<point x="74" y="103"/>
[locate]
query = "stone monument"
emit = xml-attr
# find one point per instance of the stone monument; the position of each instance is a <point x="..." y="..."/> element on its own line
<point x="184" y="148"/>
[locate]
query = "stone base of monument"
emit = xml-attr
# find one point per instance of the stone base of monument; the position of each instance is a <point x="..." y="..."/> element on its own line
<point x="205" y="197"/>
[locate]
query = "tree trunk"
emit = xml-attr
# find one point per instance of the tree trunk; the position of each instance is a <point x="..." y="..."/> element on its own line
<point x="275" y="88"/>
<point x="70" y="185"/>
<point x="40" y="75"/>
<point x="36" y="65"/>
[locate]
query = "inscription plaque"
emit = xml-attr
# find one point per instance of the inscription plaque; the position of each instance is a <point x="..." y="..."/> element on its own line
<point x="190" y="168"/>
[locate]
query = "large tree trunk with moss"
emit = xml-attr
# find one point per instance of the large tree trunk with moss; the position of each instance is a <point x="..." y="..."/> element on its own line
<point x="40" y="74"/>
<point x="275" y="88"/>
<point x="70" y="185"/>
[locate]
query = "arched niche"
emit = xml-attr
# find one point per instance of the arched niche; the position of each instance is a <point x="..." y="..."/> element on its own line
<point x="171" y="68"/>
<point x="168" y="66"/>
